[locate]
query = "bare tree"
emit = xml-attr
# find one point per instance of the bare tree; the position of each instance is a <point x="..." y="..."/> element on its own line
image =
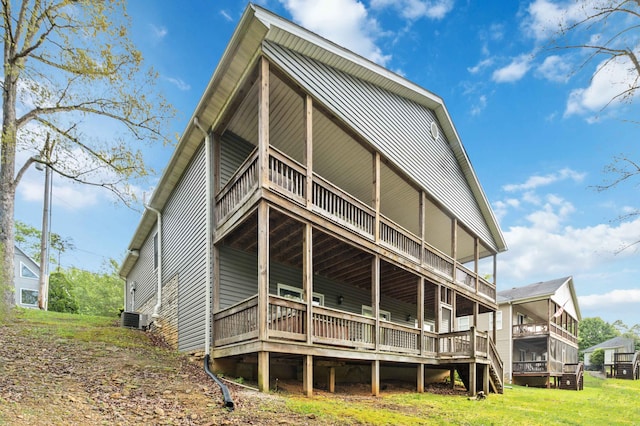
<point x="70" y="70"/>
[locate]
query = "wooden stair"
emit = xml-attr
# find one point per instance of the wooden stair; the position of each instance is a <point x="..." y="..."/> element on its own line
<point x="572" y="377"/>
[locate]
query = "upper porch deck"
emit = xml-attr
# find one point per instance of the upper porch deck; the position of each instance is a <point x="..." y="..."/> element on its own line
<point x="291" y="181"/>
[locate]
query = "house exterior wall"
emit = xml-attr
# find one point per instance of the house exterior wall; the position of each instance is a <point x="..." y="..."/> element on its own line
<point x="26" y="287"/>
<point x="142" y="278"/>
<point x="504" y="341"/>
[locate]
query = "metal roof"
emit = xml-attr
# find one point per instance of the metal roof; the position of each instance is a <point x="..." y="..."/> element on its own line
<point x="616" y="342"/>
<point x="260" y="30"/>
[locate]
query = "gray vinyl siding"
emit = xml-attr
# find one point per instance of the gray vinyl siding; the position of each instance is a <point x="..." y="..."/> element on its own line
<point x="233" y="151"/>
<point x="144" y="275"/>
<point x="184" y="250"/>
<point x="239" y="281"/>
<point x="24" y="283"/>
<point x="397" y="127"/>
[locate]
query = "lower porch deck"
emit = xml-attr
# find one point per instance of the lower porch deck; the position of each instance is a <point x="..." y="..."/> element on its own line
<point x="335" y="337"/>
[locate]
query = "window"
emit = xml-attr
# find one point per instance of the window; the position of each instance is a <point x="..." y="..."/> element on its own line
<point x="521" y="318"/>
<point x="446" y="295"/>
<point x="155" y="251"/>
<point x="28" y="297"/>
<point x="295" y="293"/>
<point x="523" y="355"/>
<point x="463" y="323"/>
<point x="427" y="325"/>
<point x="26" y="272"/>
<point x="367" y="311"/>
<point x="498" y="320"/>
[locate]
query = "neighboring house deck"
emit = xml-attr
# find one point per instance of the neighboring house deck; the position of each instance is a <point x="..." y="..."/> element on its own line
<point x="621" y="360"/>
<point x="538" y="338"/>
<point x="26" y="281"/>
<point x="319" y="220"/>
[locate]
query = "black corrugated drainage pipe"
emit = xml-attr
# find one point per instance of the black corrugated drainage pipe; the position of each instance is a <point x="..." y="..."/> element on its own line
<point x="228" y="402"/>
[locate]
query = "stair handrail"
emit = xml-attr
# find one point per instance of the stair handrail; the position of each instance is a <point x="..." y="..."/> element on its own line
<point x="496" y="361"/>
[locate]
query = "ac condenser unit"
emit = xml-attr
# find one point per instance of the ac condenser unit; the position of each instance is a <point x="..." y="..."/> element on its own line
<point x="134" y="320"/>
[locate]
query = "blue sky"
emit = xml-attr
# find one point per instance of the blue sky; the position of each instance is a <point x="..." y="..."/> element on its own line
<point x="535" y="132"/>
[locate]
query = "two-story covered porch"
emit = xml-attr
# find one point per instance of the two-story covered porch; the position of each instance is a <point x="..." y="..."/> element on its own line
<point x="328" y="254"/>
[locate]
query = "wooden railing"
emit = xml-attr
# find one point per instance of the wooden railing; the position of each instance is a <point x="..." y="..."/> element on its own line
<point x="288" y="178"/>
<point x="244" y="180"/>
<point x="560" y="331"/>
<point x="286" y="318"/>
<point x="342" y="208"/>
<point x="334" y="327"/>
<point x="482" y="345"/>
<point x="530" y="367"/>
<point x="399" y="338"/>
<point x="542" y="329"/>
<point x="400" y="239"/>
<point x="455" y="344"/>
<point x="236" y="323"/>
<point x="496" y="361"/>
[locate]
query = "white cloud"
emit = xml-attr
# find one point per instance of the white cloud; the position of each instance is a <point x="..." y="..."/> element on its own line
<point x="613" y="297"/>
<point x="345" y="22"/>
<point x="159" y="32"/>
<point x="514" y="71"/>
<point x="179" y="83"/>
<point x="611" y="79"/>
<point x="226" y="15"/>
<point x="537" y="181"/>
<point x="546" y="249"/>
<point x="483" y="64"/>
<point x="479" y="106"/>
<point x="545" y="18"/>
<point x="65" y="194"/>
<point x="416" y="9"/>
<point x="555" y="68"/>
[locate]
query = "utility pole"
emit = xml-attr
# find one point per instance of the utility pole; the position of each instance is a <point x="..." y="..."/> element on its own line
<point x="43" y="292"/>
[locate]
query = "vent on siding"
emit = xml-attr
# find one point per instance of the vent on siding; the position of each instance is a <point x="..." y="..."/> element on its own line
<point x="435" y="132"/>
<point x="133" y="320"/>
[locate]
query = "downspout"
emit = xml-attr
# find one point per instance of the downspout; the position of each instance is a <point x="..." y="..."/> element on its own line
<point x="228" y="402"/>
<point x="156" y="308"/>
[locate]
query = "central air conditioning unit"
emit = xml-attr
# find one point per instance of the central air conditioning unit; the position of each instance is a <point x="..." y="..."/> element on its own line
<point x="134" y="320"/>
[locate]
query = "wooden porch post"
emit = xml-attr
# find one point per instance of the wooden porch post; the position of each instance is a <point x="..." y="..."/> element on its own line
<point x="485" y="379"/>
<point x="420" y="384"/>
<point x="376" y="195"/>
<point x="476" y="260"/>
<point x="307" y="278"/>
<point x="421" y="285"/>
<point x="308" y="158"/>
<point x="307" y="375"/>
<point x="332" y="379"/>
<point x="437" y="307"/>
<point x="263" y="123"/>
<point x="375" y="377"/>
<point x="263" y="371"/>
<point x="375" y="298"/>
<point x="472" y="378"/>
<point x="422" y="225"/>
<point x="452" y="377"/>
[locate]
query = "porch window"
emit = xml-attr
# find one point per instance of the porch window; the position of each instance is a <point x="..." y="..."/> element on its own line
<point x="463" y="323"/>
<point x="295" y="293"/>
<point x="521" y="318"/>
<point x="26" y="272"/>
<point x="367" y="311"/>
<point x="498" y="320"/>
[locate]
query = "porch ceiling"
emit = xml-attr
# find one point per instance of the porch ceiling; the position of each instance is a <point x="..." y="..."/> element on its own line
<point x="332" y="258"/>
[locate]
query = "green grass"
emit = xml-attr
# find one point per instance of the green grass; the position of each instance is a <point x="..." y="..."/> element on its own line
<point x="602" y="402"/>
<point x="84" y="328"/>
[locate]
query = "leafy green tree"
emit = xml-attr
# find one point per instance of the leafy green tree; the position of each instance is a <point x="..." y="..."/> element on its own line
<point x="28" y="237"/>
<point x="632" y="332"/>
<point x="98" y="293"/>
<point x="597" y="359"/>
<point x="75" y="97"/>
<point x="593" y="331"/>
<point x="61" y="297"/>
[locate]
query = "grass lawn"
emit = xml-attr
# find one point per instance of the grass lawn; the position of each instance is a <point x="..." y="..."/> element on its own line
<point x="602" y="402"/>
<point x="73" y="369"/>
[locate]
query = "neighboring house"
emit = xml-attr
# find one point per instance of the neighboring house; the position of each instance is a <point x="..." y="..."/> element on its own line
<point x="27" y="283"/>
<point x="537" y="332"/>
<point x="611" y="347"/>
<point x="320" y="220"/>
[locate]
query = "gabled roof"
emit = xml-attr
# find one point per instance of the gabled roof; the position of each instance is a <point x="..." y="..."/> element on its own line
<point x="18" y="250"/>
<point x="262" y="32"/>
<point x="616" y="342"/>
<point x="540" y="290"/>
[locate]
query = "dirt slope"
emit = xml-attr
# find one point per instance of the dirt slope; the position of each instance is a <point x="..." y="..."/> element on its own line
<point x="78" y="374"/>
